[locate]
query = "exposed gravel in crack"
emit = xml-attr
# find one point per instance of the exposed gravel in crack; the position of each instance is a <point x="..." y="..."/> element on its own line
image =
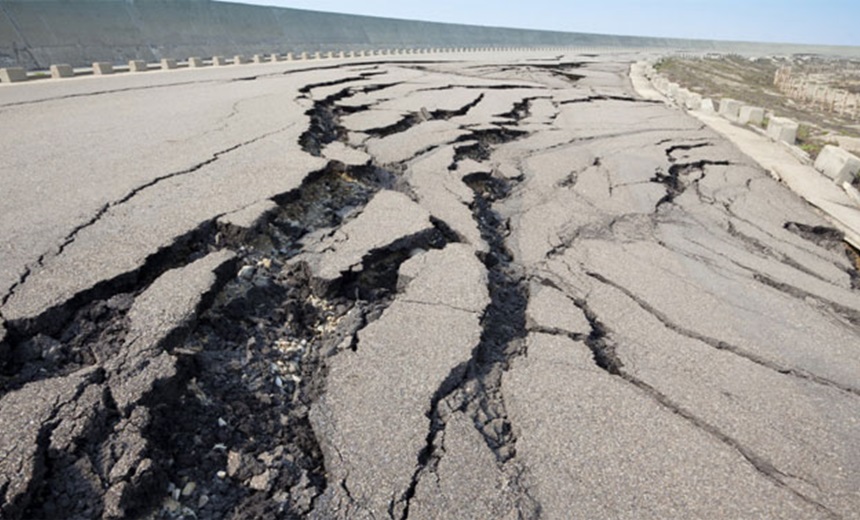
<point x="410" y="120"/>
<point x="70" y="238"/>
<point x="261" y="358"/>
<point x="474" y="387"/>
<point x="520" y="111"/>
<point x="227" y="435"/>
<point x="325" y="114"/>
<point x="681" y="176"/>
<point x="184" y="249"/>
<point x="479" y="143"/>
<point x="94" y="332"/>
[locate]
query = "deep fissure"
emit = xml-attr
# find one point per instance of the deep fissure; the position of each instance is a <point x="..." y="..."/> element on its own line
<point x="605" y="358"/>
<point x="679" y="177"/>
<point x="474" y="386"/>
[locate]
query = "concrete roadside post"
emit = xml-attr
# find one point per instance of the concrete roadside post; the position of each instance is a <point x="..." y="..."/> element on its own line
<point x="838" y="164"/>
<point x="168" y="64"/>
<point x="102" y="68"/>
<point x="137" y="66"/>
<point x="751" y="115"/>
<point x="694" y="101"/>
<point x="782" y="129"/>
<point x="673" y="89"/>
<point x="195" y="62"/>
<point x="219" y="61"/>
<point x="13" y="75"/>
<point x="730" y="108"/>
<point x="239" y="60"/>
<point x="61" y="70"/>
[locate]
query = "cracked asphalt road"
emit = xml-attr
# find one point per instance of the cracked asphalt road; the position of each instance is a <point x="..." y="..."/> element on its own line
<point x="504" y="287"/>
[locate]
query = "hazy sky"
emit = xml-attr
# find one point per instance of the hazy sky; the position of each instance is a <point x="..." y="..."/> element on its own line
<point x="791" y="21"/>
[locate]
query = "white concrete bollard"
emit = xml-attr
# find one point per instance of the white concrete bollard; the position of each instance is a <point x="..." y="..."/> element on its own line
<point x="782" y="129"/>
<point x="673" y="89"/>
<point x="274" y="58"/>
<point x="239" y="60"/>
<point x="707" y="105"/>
<point x="751" y="115"/>
<point x="62" y="70"/>
<point x="102" y="68"/>
<point x="196" y="63"/>
<point x="258" y="58"/>
<point x="137" y="66"/>
<point x="13" y="75"/>
<point x="219" y="61"/>
<point x="838" y="164"/>
<point x="730" y="109"/>
<point x="168" y="64"/>
<point x="694" y="101"/>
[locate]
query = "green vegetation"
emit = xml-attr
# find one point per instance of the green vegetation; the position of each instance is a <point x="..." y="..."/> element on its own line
<point x="811" y="143"/>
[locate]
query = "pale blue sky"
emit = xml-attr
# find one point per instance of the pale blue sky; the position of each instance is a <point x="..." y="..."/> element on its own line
<point x="835" y="22"/>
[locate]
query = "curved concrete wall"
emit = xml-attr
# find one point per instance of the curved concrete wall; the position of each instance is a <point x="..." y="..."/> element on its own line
<point x="37" y="33"/>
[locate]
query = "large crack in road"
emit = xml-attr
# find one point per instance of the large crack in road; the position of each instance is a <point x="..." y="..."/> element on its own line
<point x="455" y="290"/>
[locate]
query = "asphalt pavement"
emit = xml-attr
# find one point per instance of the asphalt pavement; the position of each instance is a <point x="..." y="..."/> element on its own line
<point x="491" y="285"/>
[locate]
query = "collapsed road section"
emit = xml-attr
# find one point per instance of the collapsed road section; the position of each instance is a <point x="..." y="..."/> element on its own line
<point x="419" y="290"/>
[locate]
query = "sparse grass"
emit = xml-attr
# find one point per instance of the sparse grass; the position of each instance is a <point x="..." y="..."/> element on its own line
<point x="751" y="82"/>
<point x="809" y="140"/>
<point x="804" y="133"/>
<point x="813" y="148"/>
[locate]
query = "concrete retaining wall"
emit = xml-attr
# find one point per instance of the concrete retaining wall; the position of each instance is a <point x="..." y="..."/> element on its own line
<point x="36" y="33"/>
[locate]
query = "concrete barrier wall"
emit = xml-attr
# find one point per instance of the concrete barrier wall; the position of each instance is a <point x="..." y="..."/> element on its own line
<point x="36" y="33"/>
